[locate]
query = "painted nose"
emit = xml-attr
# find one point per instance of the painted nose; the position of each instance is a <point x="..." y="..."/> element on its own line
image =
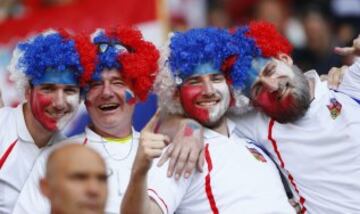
<point x="60" y="100"/>
<point x="208" y="88"/>
<point x="271" y="84"/>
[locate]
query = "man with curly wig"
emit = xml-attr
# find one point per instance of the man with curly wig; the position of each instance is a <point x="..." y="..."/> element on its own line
<point x="237" y="176"/>
<point x="46" y="70"/>
<point x="119" y="70"/>
<point x="311" y="131"/>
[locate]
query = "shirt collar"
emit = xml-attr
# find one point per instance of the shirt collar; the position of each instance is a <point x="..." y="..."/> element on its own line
<point x="22" y="129"/>
<point x="209" y="133"/>
<point x="94" y="137"/>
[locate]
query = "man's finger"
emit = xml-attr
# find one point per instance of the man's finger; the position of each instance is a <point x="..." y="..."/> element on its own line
<point x="191" y="163"/>
<point x="173" y="159"/>
<point x="152" y="124"/>
<point x="201" y="161"/>
<point x="181" y="162"/>
<point x="166" y="156"/>
<point x="345" y="51"/>
<point x="152" y="136"/>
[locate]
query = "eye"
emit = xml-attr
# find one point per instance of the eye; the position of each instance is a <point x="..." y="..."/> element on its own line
<point x="192" y="81"/>
<point x="71" y="90"/>
<point x="118" y="82"/>
<point x="95" y="84"/>
<point x="218" y="78"/>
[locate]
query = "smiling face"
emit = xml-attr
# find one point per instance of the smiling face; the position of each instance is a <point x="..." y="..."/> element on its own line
<point x="53" y="105"/>
<point x="281" y="91"/>
<point x="109" y="102"/>
<point x="205" y="98"/>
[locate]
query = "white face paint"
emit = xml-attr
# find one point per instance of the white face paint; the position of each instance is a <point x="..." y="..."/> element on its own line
<point x="218" y="110"/>
<point x="73" y="101"/>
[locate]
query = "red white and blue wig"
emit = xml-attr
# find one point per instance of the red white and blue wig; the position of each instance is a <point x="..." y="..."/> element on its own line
<point x="266" y="43"/>
<point x="124" y="49"/>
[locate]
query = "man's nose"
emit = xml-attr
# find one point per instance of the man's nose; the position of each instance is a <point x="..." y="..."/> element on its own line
<point x="208" y="88"/>
<point x="60" y="99"/>
<point x="270" y="83"/>
<point x="107" y="90"/>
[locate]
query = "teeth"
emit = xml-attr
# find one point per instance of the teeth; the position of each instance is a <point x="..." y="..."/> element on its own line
<point x="207" y="103"/>
<point x="110" y="106"/>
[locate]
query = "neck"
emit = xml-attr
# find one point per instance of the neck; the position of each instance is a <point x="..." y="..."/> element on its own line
<point x="40" y="135"/>
<point x="221" y="127"/>
<point x="117" y="132"/>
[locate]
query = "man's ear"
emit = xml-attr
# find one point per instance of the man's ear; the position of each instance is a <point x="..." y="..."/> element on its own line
<point x="176" y="95"/>
<point x="28" y="93"/>
<point x="285" y="58"/>
<point x="44" y="187"/>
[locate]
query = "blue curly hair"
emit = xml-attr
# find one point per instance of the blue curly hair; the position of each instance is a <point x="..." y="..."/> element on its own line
<point x="50" y="54"/>
<point x="197" y="47"/>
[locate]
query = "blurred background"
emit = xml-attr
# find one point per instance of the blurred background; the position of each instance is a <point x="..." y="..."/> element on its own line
<point x="314" y="28"/>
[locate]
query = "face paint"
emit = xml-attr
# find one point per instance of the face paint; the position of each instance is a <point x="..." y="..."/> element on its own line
<point x="206" y="106"/>
<point x="39" y="103"/>
<point x="129" y="97"/>
<point x="73" y="101"/>
<point x="288" y="107"/>
<point x="50" y="115"/>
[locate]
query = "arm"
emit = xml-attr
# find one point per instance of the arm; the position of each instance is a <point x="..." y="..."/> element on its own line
<point x="185" y="151"/>
<point x="350" y="83"/>
<point x="136" y="199"/>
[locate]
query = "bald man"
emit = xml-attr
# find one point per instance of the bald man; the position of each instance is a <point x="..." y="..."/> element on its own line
<point x="75" y="180"/>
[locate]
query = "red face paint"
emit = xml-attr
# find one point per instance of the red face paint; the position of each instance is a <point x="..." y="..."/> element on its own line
<point x="270" y="104"/>
<point x="39" y="103"/>
<point x="188" y="96"/>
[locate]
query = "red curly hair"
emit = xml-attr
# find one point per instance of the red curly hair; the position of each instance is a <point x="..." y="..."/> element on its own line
<point x="268" y="39"/>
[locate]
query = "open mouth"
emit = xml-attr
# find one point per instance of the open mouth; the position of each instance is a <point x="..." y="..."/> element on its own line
<point x="207" y="103"/>
<point x="109" y="106"/>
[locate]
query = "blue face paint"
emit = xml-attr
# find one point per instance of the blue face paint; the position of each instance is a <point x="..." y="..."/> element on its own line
<point x="52" y="76"/>
<point x="201" y="69"/>
<point x="129" y="97"/>
<point x="257" y="65"/>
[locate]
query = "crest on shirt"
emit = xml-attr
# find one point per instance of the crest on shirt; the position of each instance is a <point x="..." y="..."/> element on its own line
<point x="257" y="154"/>
<point x="334" y="108"/>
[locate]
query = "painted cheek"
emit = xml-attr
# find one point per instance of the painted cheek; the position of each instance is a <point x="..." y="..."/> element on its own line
<point x="188" y="95"/>
<point x="271" y="106"/>
<point x="129" y="97"/>
<point x="39" y="103"/>
<point x="73" y="102"/>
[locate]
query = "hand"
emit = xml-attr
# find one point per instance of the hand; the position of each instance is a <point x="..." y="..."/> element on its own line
<point x="186" y="150"/>
<point x="346" y="51"/>
<point x="335" y="75"/>
<point x="150" y="146"/>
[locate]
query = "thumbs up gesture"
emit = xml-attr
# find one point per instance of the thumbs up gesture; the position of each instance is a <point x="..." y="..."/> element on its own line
<point x="150" y="146"/>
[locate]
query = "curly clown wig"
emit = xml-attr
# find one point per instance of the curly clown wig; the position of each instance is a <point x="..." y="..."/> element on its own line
<point x="124" y="49"/>
<point x="266" y="42"/>
<point x="50" y="57"/>
<point x="189" y="52"/>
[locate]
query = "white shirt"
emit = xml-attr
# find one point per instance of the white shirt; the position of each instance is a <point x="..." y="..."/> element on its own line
<point x="18" y="144"/>
<point x="319" y="153"/>
<point x="233" y="181"/>
<point x="119" y="158"/>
